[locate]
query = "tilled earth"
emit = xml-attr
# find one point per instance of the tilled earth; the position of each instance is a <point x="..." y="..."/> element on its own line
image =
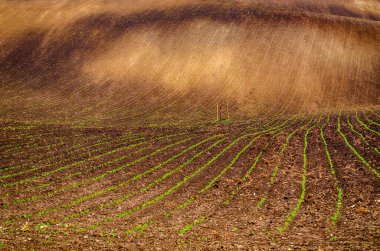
<point x="300" y="182"/>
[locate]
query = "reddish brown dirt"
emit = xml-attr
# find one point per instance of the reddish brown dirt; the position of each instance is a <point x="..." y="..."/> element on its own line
<point x="108" y="137"/>
<point x="238" y="224"/>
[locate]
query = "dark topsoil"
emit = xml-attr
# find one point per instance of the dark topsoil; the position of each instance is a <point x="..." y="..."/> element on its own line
<point x="239" y="224"/>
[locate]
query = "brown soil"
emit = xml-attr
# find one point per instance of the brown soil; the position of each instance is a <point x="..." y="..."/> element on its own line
<point x="212" y="223"/>
<point x="108" y="137"/>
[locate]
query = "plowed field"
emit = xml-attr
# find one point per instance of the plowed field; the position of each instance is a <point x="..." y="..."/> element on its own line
<point x="289" y="182"/>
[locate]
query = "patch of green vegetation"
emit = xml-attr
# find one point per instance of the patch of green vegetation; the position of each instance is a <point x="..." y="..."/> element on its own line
<point x="158" y="198"/>
<point x="139" y="229"/>
<point x="185" y="245"/>
<point x="191" y="225"/>
<point x="225" y="121"/>
<point x="165" y="176"/>
<point x="277" y="167"/>
<point x="235" y="191"/>
<point x="339" y="189"/>
<point x="365" y="125"/>
<point x="333" y="238"/>
<point x="354" y="150"/>
<point x="293" y="213"/>
<point x="187" y="202"/>
<point x="361" y="136"/>
<point x="62" y="168"/>
<point x="262" y="200"/>
<point x="48" y="240"/>
<point x="237" y="156"/>
<point x="113" y="233"/>
<point x="202" y="238"/>
<point x="42" y="228"/>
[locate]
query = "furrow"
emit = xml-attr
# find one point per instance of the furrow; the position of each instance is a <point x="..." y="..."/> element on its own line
<point x="294" y="212"/>
<point x="339" y="189"/>
<point x="352" y="148"/>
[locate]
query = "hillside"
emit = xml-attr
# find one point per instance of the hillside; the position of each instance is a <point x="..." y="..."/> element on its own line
<point x="120" y="63"/>
<point x="189" y="125"/>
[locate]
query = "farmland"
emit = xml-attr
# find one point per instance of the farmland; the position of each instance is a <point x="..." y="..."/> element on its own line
<point x="189" y="125"/>
<point x="233" y="185"/>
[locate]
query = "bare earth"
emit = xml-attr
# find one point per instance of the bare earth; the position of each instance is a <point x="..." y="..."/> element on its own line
<point x="109" y="138"/>
<point x="202" y="188"/>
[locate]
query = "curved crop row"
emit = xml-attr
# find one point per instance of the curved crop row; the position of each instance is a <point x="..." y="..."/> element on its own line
<point x="277" y="167"/>
<point x="352" y="148"/>
<point x="9" y="175"/>
<point x="61" y="141"/>
<point x="238" y="187"/>
<point x="365" y="125"/>
<point x="168" y="191"/>
<point x="361" y="136"/>
<point x="171" y="189"/>
<point x="338" y="188"/>
<point x="38" y="148"/>
<point x="151" y="184"/>
<point x="102" y="165"/>
<point x="119" y="200"/>
<point x="84" y="155"/>
<point x="10" y="151"/>
<point x="210" y="184"/>
<point x="114" y="170"/>
<point x="75" y="202"/>
<point x="30" y="135"/>
<point x="270" y="130"/>
<point x="244" y="178"/>
<point x="64" y="167"/>
<point x="293" y="213"/>
<point x="370" y="120"/>
<point x="124" y="183"/>
<point x="29" y="138"/>
<point x="68" y="187"/>
<point x="100" y="192"/>
<point x="78" y="147"/>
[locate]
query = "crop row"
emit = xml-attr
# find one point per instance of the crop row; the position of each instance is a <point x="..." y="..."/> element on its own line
<point x="337" y="185"/>
<point x="83" y="155"/>
<point x="277" y="167"/>
<point x="210" y="184"/>
<point x="107" y="189"/>
<point x="361" y="136"/>
<point x="293" y="213"/>
<point x="110" y="161"/>
<point x="352" y="148"/>
<point x="117" y="169"/>
<point x="365" y="125"/>
<point x="88" y="180"/>
<point x="187" y="179"/>
<point x="156" y="181"/>
<point x="77" y="147"/>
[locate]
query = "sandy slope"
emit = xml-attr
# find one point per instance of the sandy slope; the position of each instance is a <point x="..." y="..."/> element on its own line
<point x="149" y="60"/>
